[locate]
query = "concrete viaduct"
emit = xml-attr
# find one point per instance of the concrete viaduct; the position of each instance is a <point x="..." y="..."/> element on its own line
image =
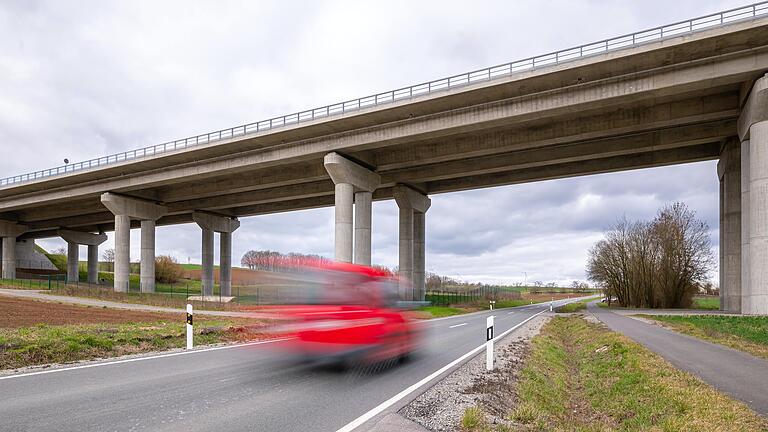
<point x="696" y="94"/>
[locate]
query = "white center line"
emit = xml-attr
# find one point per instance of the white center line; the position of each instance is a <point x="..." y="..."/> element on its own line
<point x="510" y="313"/>
<point x="457" y="325"/>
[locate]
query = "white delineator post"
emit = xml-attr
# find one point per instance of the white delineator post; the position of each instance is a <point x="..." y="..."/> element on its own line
<point x="189" y="326"/>
<point x="550" y="305"/>
<point x="489" y="343"/>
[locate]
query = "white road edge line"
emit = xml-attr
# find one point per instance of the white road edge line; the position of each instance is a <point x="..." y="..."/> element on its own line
<point x="91" y="365"/>
<point x="457" y="325"/>
<point x="354" y="424"/>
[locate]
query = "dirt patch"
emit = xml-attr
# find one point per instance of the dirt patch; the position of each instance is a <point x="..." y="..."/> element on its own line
<point x="442" y="406"/>
<point x="16" y="312"/>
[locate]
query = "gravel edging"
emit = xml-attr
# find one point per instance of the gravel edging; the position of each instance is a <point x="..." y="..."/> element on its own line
<point x="442" y="407"/>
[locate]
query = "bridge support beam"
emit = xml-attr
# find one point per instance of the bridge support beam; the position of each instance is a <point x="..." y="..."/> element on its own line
<point x="729" y="173"/>
<point x="93" y="264"/>
<point x="225" y="226"/>
<point x="753" y="131"/>
<point x="353" y="195"/>
<point x="74" y="239"/>
<point x="127" y="208"/>
<point x="413" y="206"/>
<point x="73" y="262"/>
<point x="8" y="232"/>
<point x="147" y="271"/>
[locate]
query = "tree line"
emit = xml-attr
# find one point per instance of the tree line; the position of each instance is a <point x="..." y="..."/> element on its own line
<point x="659" y="263"/>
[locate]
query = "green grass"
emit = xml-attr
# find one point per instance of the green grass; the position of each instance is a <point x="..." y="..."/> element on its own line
<point x="576" y="306"/>
<point x="746" y="333"/>
<point x="45" y="344"/>
<point x="473" y="419"/>
<point x="582" y="377"/>
<point x="571" y="307"/>
<point x="444" y="311"/>
<point x="706" y="303"/>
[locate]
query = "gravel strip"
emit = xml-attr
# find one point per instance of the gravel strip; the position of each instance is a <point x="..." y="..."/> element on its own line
<point x="442" y="406"/>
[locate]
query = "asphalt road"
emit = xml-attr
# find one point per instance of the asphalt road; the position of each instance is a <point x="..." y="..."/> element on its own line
<point x="244" y="388"/>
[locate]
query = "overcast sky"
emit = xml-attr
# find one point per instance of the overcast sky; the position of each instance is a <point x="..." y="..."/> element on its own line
<point x="86" y="79"/>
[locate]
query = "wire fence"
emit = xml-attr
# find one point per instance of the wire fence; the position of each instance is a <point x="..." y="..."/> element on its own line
<point x="439" y="297"/>
<point x="545" y="60"/>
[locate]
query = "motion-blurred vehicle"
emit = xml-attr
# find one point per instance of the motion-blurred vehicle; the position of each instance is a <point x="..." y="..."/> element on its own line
<point x="348" y="314"/>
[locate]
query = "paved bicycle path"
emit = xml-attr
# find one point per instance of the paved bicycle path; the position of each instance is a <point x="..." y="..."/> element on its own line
<point x="738" y="374"/>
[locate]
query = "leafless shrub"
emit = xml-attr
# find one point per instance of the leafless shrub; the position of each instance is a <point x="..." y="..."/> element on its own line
<point x="656" y="264"/>
<point x="167" y="270"/>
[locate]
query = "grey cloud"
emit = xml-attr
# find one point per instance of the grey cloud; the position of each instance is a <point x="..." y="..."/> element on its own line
<point x="89" y="78"/>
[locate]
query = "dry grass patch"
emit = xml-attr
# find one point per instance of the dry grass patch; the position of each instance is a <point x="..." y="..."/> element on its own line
<point x="581" y="376"/>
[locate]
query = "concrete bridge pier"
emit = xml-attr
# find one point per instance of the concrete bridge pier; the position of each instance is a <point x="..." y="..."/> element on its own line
<point x="753" y="132"/>
<point x="413" y="206"/>
<point x="8" y="232"/>
<point x="74" y="239"/>
<point x="729" y="172"/>
<point x="126" y="208"/>
<point x="209" y="224"/>
<point x="354" y="186"/>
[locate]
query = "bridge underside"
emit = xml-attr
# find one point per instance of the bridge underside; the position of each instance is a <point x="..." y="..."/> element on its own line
<point x="673" y="131"/>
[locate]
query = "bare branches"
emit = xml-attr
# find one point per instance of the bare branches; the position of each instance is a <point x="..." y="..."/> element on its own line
<point x="656" y="264"/>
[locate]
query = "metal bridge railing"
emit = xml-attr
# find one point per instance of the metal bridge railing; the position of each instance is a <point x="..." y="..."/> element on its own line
<point x="506" y="69"/>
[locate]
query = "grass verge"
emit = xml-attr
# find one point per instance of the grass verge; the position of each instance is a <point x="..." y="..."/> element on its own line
<point x="745" y="333"/>
<point x="706" y="303"/>
<point x="43" y="344"/>
<point x="575" y="306"/>
<point x="581" y="376"/>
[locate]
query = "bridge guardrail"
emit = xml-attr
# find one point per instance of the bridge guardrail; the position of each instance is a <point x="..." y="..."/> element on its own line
<point x="553" y="58"/>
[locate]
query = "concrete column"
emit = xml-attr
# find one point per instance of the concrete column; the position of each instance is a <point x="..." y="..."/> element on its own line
<point x="207" y="261"/>
<point x="755" y="298"/>
<point x="210" y="223"/>
<point x="363" y="210"/>
<point x="93" y="264"/>
<point x="9" y="257"/>
<point x="147" y="256"/>
<point x="122" y="253"/>
<point x="352" y="180"/>
<point x="124" y="208"/>
<point x="406" y="253"/>
<point x="721" y="254"/>
<point x="730" y="226"/>
<point x="225" y="264"/>
<point x="91" y="240"/>
<point x="411" y="202"/>
<point x="744" y="221"/>
<point x="343" y="209"/>
<point x="73" y="272"/>
<point x="419" y="225"/>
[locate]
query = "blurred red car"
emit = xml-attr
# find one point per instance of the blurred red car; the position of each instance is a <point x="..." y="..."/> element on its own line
<point x="348" y="314"/>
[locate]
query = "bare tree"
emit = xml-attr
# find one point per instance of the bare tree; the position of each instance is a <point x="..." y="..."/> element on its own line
<point x="109" y="257"/>
<point x="654" y="264"/>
